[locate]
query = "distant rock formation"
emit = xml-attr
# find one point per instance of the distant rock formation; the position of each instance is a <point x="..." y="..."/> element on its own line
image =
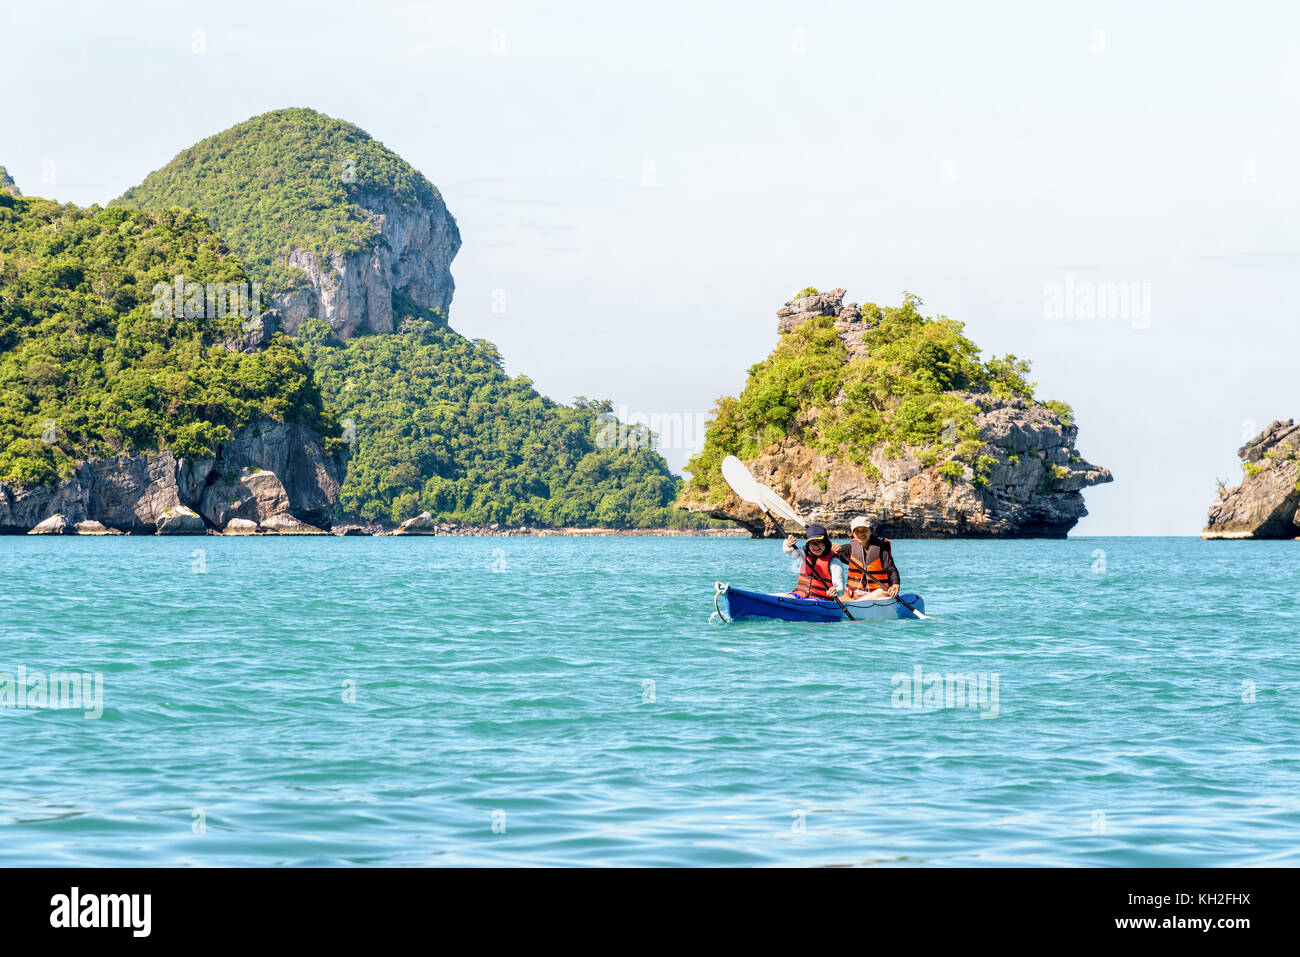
<point x="255" y="496"/>
<point x="1033" y="489"/>
<point x="848" y="319"/>
<point x="1267" y="502"/>
<point x="268" y="471"/>
<point x="7" y="182"/>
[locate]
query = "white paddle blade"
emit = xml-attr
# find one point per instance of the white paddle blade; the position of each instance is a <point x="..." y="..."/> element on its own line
<point x="775" y="503"/>
<point x="744" y="484"/>
<point x="741" y="482"/>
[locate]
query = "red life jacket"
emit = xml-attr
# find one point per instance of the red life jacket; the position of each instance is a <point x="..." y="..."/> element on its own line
<point x="866" y="567"/>
<point x="815" y="576"/>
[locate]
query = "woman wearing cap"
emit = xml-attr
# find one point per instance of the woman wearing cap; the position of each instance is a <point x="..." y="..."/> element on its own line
<point x="872" y="573"/>
<point x="821" y="574"/>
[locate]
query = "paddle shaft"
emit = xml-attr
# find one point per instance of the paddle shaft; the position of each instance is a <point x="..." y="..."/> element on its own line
<point x="899" y="599"/>
<point x="919" y="614"/>
<point x="812" y="567"/>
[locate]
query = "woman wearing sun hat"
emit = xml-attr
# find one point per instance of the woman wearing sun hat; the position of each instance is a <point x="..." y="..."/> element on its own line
<point x="821" y="574"/>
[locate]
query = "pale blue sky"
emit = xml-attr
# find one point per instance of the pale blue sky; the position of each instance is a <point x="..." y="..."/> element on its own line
<point x="647" y="183"/>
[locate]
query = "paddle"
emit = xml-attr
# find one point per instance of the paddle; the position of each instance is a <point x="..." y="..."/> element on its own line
<point x="744" y="484"/>
<point x="912" y="608"/>
<point x="747" y="487"/>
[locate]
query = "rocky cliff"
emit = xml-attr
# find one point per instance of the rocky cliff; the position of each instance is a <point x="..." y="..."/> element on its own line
<point x="1020" y="478"/>
<point x="1033" y="490"/>
<point x="354" y="292"/>
<point x="7" y="182"/>
<point x="267" y="471"/>
<point x="1267" y="502"/>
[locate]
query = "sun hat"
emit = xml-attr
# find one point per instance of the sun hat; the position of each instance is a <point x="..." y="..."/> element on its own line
<point x="860" y="522"/>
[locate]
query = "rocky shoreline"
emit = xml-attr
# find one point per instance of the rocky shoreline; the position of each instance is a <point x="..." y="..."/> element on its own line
<point x="1266" y="505"/>
<point x="480" y="532"/>
<point x="271" y="479"/>
<point x="59" y="525"/>
<point x="270" y="476"/>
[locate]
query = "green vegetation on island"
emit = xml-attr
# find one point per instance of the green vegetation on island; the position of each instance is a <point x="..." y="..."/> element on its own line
<point x="86" y="367"/>
<point x="905" y="396"/>
<point x="433" y="423"/>
<point x="284" y="180"/>
<point x="438" y="426"/>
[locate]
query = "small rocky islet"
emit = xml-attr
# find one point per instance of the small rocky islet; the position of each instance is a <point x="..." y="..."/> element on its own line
<point x="1266" y="505"/>
<point x="968" y="453"/>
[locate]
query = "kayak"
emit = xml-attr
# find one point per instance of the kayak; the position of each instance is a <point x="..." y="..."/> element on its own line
<point x="739" y="604"/>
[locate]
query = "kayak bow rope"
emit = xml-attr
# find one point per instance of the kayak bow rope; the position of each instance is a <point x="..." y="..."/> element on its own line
<point x="719" y="589"/>
<point x="744" y="484"/>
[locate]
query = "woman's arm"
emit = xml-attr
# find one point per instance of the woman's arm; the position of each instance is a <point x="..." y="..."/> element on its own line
<point x="887" y="559"/>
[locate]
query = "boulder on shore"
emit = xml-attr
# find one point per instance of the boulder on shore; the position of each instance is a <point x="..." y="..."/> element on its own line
<point x="91" y="527"/>
<point x="180" y="520"/>
<point x="352" y="530"/>
<point x="422" y="524"/>
<point x="1267" y="502"/>
<point x="251" y="494"/>
<point x="54" y="525"/>
<point x="286" y="524"/>
<point x="240" y="526"/>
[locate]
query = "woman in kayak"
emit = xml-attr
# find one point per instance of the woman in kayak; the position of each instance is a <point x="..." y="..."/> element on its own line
<point x="821" y="572"/>
<point x="870" y="558"/>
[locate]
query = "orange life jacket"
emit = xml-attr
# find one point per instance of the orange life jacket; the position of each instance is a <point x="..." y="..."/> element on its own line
<point x="866" y="567"/>
<point x="815" y="576"/>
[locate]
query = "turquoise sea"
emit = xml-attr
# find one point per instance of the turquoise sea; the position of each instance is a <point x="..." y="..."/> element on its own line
<point x="567" y="701"/>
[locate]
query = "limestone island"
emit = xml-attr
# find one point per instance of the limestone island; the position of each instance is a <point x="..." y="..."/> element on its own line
<point x="884" y="411"/>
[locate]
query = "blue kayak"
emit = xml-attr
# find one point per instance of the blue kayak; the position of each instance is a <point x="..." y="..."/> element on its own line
<point x="738" y="604"/>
